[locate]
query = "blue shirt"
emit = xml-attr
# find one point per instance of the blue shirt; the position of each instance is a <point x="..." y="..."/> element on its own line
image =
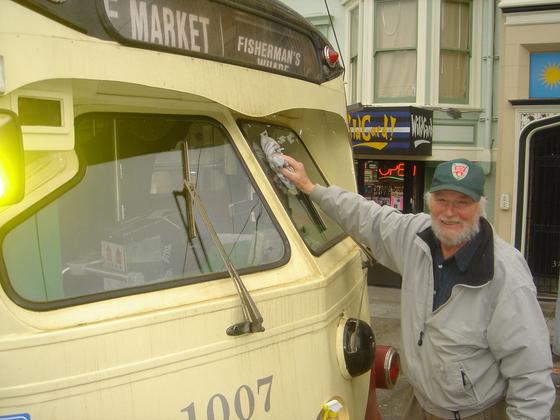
<point x="449" y="272"/>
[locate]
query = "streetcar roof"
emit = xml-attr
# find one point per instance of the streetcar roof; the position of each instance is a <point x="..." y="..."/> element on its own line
<point x="262" y="34"/>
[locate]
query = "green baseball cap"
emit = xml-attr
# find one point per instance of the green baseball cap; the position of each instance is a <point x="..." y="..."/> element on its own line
<point x="460" y="175"/>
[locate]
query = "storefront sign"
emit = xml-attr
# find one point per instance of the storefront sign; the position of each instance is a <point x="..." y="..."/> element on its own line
<point x="392" y="131"/>
<point x="211" y="30"/>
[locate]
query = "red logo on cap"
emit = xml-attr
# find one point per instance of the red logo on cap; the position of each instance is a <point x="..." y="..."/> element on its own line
<point x="459" y="170"/>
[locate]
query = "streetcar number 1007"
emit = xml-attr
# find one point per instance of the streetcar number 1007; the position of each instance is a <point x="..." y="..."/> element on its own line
<point x="244" y="402"/>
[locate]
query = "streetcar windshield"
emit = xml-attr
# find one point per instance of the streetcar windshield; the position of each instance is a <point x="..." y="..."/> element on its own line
<point x="122" y="225"/>
<point x="317" y="230"/>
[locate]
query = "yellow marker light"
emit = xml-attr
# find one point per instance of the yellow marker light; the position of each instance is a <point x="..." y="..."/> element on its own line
<point x="331" y="409"/>
<point x="12" y="167"/>
<point x="5" y="192"/>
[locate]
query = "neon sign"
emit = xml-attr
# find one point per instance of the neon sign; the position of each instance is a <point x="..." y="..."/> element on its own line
<point x="394" y="172"/>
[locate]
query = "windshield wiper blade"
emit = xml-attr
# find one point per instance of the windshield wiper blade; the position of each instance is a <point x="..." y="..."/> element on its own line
<point x="312" y="211"/>
<point x="189" y="216"/>
<point x="253" y="319"/>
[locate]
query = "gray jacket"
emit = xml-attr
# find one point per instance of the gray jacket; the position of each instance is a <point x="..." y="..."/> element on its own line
<point x="489" y="340"/>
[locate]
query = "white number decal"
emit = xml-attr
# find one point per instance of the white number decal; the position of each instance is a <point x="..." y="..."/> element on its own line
<point x="244" y="404"/>
<point x="265" y="381"/>
<point x="210" y="408"/>
<point x="250" y="401"/>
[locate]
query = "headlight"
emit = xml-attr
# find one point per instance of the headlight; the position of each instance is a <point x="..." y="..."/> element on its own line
<point x="355" y="347"/>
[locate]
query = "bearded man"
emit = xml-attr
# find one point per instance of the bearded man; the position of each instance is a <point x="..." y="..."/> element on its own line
<point x="474" y="341"/>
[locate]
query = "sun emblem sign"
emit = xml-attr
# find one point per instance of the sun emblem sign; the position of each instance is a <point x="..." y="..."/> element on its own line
<point x="544" y="75"/>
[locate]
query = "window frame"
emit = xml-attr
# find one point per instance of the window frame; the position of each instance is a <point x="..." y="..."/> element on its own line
<point x="31" y="211"/>
<point x="335" y="240"/>
<point x="377" y="51"/>
<point x="354" y="82"/>
<point x="468" y="51"/>
<point x="427" y="56"/>
<point x="478" y="24"/>
<point x="322" y="23"/>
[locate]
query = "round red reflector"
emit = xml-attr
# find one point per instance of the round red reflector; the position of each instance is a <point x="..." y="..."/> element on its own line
<point x="387" y="367"/>
<point x="331" y="56"/>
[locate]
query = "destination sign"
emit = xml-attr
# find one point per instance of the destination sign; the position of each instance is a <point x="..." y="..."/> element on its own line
<point x="214" y="31"/>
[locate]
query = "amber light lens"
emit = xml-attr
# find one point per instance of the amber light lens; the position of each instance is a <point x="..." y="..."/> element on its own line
<point x="12" y="170"/>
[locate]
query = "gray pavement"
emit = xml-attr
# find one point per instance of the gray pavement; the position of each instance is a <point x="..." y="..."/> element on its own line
<point x="384" y="307"/>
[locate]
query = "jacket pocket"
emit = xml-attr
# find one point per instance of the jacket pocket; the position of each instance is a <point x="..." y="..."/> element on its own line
<point x="456" y="386"/>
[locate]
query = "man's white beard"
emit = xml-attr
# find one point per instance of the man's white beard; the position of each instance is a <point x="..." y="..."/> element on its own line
<point x="465" y="235"/>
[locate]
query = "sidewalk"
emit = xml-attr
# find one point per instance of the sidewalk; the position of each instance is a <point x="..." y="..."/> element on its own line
<point x="384" y="307"/>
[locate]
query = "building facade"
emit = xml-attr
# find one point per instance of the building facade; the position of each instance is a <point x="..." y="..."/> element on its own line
<point x="528" y="156"/>
<point x="421" y="88"/>
<point x="426" y="80"/>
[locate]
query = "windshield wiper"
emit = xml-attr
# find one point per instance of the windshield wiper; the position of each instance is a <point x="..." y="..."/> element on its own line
<point x="312" y="211"/>
<point x="253" y="319"/>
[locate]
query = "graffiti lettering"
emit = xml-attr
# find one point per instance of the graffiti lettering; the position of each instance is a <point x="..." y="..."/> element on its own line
<point x="422" y="127"/>
<point x="362" y="127"/>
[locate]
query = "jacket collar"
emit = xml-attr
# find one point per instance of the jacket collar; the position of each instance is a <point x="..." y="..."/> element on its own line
<point x="481" y="269"/>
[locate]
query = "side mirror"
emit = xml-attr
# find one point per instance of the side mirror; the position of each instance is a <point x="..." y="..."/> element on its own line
<point x="12" y="165"/>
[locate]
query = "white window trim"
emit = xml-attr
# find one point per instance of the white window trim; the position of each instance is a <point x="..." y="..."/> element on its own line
<point x="427" y="67"/>
<point x="475" y="77"/>
<point x="350" y="6"/>
<point x="368" y="68"/>
<point x="421" y="55"/>
<point x="320" y="20"/>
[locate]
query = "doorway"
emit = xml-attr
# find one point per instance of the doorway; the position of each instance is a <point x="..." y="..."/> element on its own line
<point x="539" y="238"/>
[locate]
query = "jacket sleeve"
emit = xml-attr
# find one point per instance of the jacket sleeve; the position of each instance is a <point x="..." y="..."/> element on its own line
<point x="382" y="228"/>
<point x="518" y="338"/>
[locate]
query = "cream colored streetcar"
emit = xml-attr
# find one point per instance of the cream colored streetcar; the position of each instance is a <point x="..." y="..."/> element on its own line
<point x="154" y="265"/>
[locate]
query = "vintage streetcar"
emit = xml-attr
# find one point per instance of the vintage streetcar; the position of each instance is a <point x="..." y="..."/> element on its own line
<point x="154" y="264"/>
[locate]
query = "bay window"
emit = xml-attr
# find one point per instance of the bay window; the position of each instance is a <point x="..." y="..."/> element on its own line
<point x="395" y="43"/>
<point x="455" y="51"/>
<point x="354" y="20"/>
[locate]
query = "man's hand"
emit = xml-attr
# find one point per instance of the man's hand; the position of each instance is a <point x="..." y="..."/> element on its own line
<point x="296" y="174"/>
